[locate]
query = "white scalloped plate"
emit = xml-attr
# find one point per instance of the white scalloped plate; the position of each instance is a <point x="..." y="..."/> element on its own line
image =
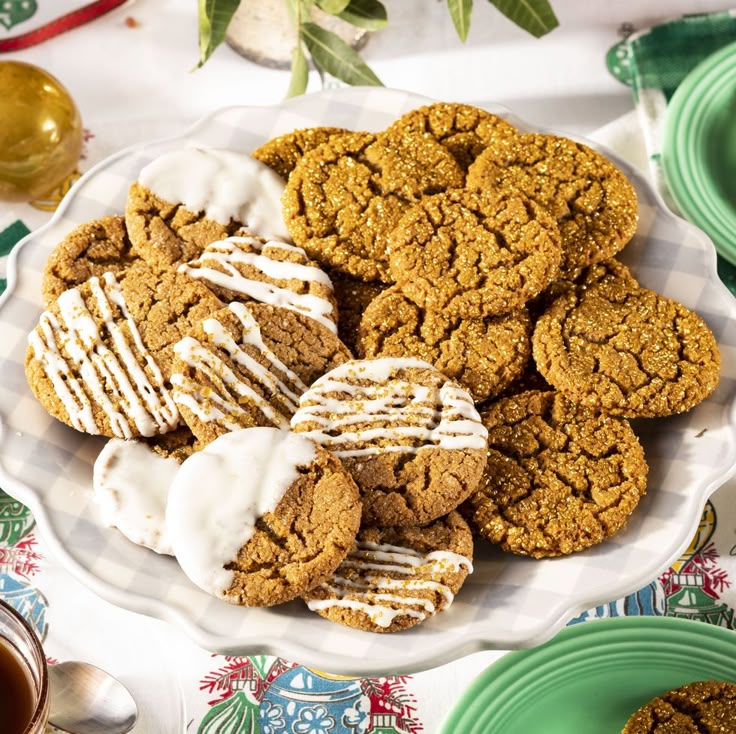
<point x="508" y="602"/>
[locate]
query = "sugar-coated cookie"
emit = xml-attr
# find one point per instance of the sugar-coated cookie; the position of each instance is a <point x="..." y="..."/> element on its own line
<point x="559" y="478"/>
<point x="703" y="707"/>
<point x="612" y="345"/>
<point x="593" y="202"/>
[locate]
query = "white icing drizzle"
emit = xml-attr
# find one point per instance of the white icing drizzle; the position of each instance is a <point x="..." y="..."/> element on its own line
<point x="93" y="373"/>
<point x="366" y="591"/>
<point x="225" y="408"/>
<point x="225" y="185"/>
<point x="409" y="416"/>
<point x="246" y="473"/>
<point x="234" y="251"/>
<point x="131" y="486"/>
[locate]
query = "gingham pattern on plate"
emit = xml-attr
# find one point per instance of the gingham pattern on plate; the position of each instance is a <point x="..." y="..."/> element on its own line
<point x="508" y="602"/>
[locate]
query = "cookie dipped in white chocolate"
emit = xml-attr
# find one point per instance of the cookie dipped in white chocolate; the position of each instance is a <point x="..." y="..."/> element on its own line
<point x="131" y="487"/>
<point x="261" y="515"/>
<point x="188" y="198"/>
<point x="223" y="184"/>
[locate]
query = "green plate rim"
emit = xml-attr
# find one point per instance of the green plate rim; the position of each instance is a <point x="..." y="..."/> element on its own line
<point x="577" y="640"/>
<point x="692" y="190"/>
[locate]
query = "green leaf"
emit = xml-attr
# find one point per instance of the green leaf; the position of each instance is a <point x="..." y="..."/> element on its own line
<point x="368" y="14"/>
<point x="460" y="12"/>
<point x="332" y="55"/>
<point x="299" y="72"/>
<point x="333" y="7"/>
<point x="534" y="16"/>
<point x="214" y="18"/>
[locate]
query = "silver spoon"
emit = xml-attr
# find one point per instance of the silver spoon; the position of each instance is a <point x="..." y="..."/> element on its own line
<point x="86" y="700"/>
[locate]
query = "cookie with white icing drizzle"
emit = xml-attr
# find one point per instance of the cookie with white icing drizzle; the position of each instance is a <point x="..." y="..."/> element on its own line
<point x="187" y="198"/>
<point x="100" y="358"/>
<point x="395" y="578"/>
<point x="247" y="365"/>
<point x="279" y="515"/>
<point x="410" y="437"/>
<point x="250" y="268"/>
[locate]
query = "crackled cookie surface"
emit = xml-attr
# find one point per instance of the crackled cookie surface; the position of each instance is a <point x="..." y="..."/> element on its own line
<point x="482" y="355"/>
<point x="278" y="516"/>
<point x="618" y="347"/>
<point x="559" y="477"/>
<point x="344" y="197"/>
<point x="410" y="437"/>
<point x="92" y="248"/>
<point x="703" y="707"/>
<point x="246" y="365"/>
<point x="268" y="271"/>
<point x="282" y="153"/>
<point x="593" y="202"/>
<point x="185" y="199"/>
<point x="100" y="358"/>
<point x="395" y="578"/>
<point x="475" y="254"/>
<point x="466" y="131"/>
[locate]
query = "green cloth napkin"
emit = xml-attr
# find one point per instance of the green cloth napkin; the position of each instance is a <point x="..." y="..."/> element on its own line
<point x="653" y="62"/>
<point x="9" y="237"/>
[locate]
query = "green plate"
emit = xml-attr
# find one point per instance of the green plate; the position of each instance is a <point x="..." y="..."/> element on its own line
<point x="699" y="148"/>
<point x="591" y="677"/>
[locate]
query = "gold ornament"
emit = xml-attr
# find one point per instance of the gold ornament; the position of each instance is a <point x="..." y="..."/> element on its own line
<point x="40" y="132"/>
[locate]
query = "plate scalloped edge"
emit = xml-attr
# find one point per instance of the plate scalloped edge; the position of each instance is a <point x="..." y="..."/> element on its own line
<point x="500" y="605"/>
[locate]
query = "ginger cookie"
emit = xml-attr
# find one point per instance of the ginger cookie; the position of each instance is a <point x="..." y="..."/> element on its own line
<point x="410" y="437"/>
<point x="345" y="196"/>
<point x="281" y="154"/>
<point x="100" y="358"/>
<point x="593" y="202"/>
<point x="131" y="487"/>
<point x="395" y="578"/>
<point x="482" y="355"/>
<point x="474" y="255"/>
<point x="466" y="131"/>
<point x="188" y="198"/>
<point x="268" y="271"/>
<point x="560" y="477"/>
<point x="177" y="444"/>
<point x="246" y="365"/>
<point x="615" y="346"/>
<point x="279" y="515"/>
<point x="704" y="707"/>
<point x="352" y="296"/>
<point x="93" y="248"/>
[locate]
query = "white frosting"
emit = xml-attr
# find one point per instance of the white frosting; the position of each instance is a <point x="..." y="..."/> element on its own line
<point x="408" y="417"/>
<point x="366" y="589"/>
<point x="225" y="185"/>
<point x="234" y="251"/>
<point x="220" y="492"/>
<point x="112" y="378"/>
<point x="226" y="407"/>
<point x="131" y="485"/>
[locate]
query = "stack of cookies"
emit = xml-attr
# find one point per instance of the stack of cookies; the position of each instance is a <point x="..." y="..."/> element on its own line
<point x="325" y="366"/>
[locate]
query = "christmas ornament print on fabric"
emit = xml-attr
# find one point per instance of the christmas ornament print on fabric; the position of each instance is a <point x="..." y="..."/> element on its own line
<point x="267" y="695"/>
